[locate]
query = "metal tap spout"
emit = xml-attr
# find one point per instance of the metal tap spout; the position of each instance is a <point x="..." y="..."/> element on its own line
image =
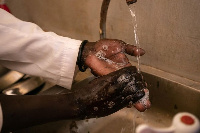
<point x="103" y="15"/>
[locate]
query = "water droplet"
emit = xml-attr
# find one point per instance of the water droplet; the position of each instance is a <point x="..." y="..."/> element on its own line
<point x="123" y="78"/>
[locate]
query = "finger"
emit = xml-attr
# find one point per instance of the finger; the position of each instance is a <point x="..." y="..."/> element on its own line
<point x="141" y="107"/>
<point x="144" y="102"/>
<point x="123" y="75"/>
<point x="133" y="98"/>
<point x="117" y="81"/>
<point x="140" y="85"/>
<point x="133" y="50"/>
<point x="117" y="87"/>
<point x="114" y="46"/>
<point x="130" y="88"/>
<point x="137" y="96"/>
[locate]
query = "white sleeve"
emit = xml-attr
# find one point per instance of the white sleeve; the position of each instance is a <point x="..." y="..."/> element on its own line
<point x="26" y="48"/>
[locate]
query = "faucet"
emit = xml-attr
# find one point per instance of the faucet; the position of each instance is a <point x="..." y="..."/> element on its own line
<point x="103" y="15"/>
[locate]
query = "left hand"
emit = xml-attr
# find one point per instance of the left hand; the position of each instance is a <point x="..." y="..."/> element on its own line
<point x="108" y="55"/>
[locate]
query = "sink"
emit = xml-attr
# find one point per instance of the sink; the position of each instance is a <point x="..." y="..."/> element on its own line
<point x="169" y="95"/>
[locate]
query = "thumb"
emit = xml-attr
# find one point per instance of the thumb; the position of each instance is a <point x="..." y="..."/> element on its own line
<point x="133" y="50"/>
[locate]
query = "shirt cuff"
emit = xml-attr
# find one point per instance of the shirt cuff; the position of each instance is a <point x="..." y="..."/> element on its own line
<point x="68" y="63"/>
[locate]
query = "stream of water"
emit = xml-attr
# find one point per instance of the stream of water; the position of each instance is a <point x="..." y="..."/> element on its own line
<point x="137" y="43"/>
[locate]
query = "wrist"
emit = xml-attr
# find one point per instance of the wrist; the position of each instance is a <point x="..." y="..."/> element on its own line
<point x="89" y="47"/>
<point x="84" y="50"/>
<point x="80" y="59"/>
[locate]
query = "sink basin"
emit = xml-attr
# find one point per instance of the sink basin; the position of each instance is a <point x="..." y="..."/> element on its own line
<point x="169" y="95"/>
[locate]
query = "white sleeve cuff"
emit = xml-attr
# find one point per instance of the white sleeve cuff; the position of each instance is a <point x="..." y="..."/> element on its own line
<point x="68" y="63"/>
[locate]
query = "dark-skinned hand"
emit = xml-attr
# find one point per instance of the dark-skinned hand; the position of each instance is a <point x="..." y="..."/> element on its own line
<point x="110" y="93"/>
<point x="108" y="55"/>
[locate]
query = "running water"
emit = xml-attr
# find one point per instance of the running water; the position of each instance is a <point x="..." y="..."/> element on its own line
<point x="134" y="22"/>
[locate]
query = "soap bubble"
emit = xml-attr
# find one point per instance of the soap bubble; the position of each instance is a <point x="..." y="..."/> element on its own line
<point x="101" y="55"/>
<point x="105" y="47"/>
<point x="123" y="78"/>
<point x="130" y="87"/>
<point x="111" y="104"/>
<point x="144" y="100"/>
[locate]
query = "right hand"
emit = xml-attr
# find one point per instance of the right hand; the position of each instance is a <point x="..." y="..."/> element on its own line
<point x="110" y="93"/>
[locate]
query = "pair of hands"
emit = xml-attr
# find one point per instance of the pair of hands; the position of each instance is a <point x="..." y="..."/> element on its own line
<point x="119" y="84"/>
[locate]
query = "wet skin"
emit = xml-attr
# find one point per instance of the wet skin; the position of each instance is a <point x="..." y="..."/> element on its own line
<point x="109" y="55"/>
<point x="110" y="93"/>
